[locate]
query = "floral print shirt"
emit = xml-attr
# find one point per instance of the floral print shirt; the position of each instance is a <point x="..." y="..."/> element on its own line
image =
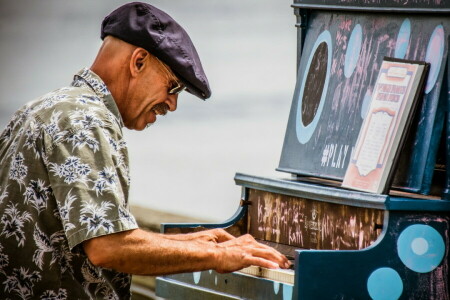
<point x="64" y="179"/>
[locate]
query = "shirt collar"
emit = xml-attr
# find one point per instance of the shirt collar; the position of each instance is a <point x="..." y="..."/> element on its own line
<point x="94" y="82"/>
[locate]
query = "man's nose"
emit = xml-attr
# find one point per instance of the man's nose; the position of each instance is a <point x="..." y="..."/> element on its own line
<point x="172" y="102"/>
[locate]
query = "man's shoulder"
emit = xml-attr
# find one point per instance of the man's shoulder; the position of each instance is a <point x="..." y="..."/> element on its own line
<point x="70" y="97"/>
<point x="66" y="102"/>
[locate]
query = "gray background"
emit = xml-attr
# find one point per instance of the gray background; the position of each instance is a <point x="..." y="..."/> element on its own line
<point x="186" y="162"/>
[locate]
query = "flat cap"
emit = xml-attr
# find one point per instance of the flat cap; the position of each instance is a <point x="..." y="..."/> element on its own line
<point x="145" y="26"/>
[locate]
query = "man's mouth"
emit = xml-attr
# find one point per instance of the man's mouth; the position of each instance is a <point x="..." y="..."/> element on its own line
<point x="160" y="109"/>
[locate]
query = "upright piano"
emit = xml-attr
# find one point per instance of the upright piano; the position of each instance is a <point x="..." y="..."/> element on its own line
<point x="347" y="244"/>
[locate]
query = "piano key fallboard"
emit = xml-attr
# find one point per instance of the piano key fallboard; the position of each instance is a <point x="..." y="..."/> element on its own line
<point x="339" y="240"/>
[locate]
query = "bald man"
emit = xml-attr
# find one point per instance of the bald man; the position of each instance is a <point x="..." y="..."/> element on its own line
<point x="65" y="230"/>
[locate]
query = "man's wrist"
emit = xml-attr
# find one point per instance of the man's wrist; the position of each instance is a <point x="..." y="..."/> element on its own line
<point x="216" y="255"/>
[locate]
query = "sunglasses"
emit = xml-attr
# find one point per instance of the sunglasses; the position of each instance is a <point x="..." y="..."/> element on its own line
<point x="176" y="88"/>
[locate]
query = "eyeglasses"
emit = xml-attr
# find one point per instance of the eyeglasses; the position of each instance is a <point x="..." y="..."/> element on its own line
<point x="176" y="88"/>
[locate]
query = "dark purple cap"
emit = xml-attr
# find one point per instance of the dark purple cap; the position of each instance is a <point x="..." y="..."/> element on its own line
<point x="145" y="26"/>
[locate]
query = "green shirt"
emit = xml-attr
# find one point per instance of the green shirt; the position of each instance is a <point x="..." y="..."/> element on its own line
<point x="64" y="179"/>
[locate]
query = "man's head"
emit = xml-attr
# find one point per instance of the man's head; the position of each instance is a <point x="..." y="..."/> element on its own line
<point x="145" y="59"/>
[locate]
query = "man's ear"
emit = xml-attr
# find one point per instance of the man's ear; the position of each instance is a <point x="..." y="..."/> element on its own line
<point x="139" y="60"/>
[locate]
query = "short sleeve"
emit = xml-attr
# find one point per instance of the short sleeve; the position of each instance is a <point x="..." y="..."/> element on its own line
<point x="88" y="171"/>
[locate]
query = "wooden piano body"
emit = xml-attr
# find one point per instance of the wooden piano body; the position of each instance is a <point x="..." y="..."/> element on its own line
<point x="347" y="244"/>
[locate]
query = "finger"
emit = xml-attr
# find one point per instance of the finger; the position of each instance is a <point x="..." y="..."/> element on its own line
<point x="281" y="259"/>
<point x="250" y="244"/>
<point x="272" y="255"/>
<point x="223" y="236"/>
<point x="261" y="262"/>
<point x="284" y="263"/>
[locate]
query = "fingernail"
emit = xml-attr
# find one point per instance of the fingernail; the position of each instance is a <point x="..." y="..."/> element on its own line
<point x="287" y="265"/>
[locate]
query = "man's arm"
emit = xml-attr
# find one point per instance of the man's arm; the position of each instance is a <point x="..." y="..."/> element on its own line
<point x="213" y="235"/>
<point x="146" y="253"/>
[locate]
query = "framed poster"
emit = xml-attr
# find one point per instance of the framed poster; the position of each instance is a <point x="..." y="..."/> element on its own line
<point x="399" y="87"/>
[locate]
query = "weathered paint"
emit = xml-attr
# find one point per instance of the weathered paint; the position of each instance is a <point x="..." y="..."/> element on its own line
<point x="309" y="224"/>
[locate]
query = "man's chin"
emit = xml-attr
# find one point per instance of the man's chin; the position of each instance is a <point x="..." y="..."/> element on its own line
<point x="138" y="127"/>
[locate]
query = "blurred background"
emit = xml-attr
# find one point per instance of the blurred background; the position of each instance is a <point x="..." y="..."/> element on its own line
<point x="186" y="162"/>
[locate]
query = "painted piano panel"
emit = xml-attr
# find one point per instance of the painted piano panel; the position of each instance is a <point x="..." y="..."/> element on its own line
<point x="341" y="56"/>
<point x="409" y="262"/>
<point x="386" y="5"/>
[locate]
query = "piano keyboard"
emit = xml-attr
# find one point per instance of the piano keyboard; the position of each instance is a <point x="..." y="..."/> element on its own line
<point x="281" y="275"/>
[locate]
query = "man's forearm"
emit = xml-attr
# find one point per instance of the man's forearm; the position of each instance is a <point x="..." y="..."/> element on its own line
<point x="146" y="253"/>
<point x="140" y="252"/>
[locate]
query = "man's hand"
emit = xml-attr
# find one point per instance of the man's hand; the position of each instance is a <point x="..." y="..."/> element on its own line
<point x="236" y="253"/>
<point x="244" y="251"/>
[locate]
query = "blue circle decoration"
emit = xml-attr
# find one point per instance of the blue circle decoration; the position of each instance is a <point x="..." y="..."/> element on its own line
<point x="287" y="292"/>
<point x="384" y="284"/>
<point x="366" y="104"/>
<point x="402" y="44"/>
<point x="197" y="276"/>
<point x="353" y="51"/>
<point x="421" y="248"/>
<point x="304" y="133"/>
<point x="434" y="55"/>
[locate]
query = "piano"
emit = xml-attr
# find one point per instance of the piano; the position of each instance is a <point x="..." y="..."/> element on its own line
<point x="347" y="244"/>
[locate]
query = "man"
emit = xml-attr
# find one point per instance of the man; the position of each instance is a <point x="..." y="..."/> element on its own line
<point x="65" y="230"/>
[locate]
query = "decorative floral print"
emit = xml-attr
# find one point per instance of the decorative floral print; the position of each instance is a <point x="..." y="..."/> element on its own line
<point x="65" y="209"/>
<point x="72" y="170"/>
<point x="46" y="244"/>
<point x="107" y="181"/>
<point x="95" y="216"/>
<point x="64" y="179"/>
<point x="13" y="222"/>
<point x="37" y="194"/>
<point x="21" y="282"/>
<point x="18" y="168"/>
<point x="84" y="138"/>
<point x="52" y="295"/>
